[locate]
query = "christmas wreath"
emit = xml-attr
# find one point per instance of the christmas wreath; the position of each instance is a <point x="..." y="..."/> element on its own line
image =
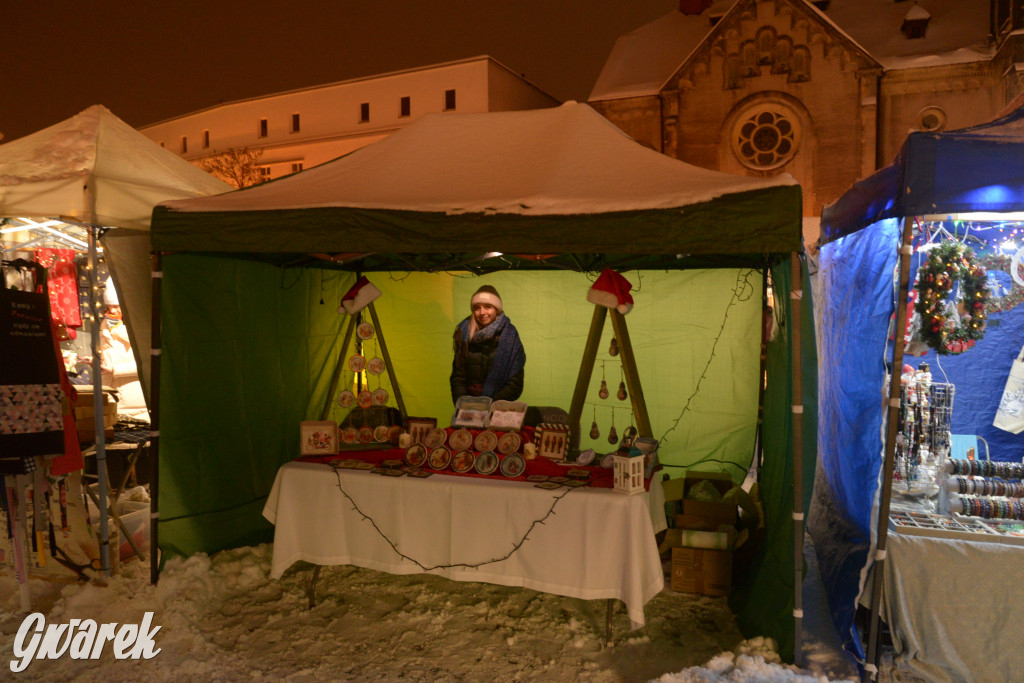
<point x="949" y="263"/>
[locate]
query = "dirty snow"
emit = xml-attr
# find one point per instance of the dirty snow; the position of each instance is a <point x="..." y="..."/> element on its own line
<point x="223" y="619"/>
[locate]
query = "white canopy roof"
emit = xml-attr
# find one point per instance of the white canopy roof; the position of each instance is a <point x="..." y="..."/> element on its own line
<point x="95" y="168"/>
<point x="560" y="161"/>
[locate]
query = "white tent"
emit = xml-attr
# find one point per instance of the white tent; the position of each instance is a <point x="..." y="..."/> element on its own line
<point x="96" y="171"/>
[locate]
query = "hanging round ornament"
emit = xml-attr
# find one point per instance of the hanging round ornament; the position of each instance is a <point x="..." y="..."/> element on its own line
<point x="357" y="363"/>
<point x="365" y="399"/>
<point x="375" y="365"/>
<point x="379" y="397"/>
<point x="365" y="434"/>
<point x="346" y="399"/>
<point x="364" y="331"/>
<point x="950" y="263"/>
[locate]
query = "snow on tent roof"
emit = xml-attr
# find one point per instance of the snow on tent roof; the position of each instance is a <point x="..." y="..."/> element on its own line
<point x="42" y="175"/>
<point x="497" y="169"/>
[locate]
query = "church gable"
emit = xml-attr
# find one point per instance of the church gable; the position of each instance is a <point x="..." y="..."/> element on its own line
<point x="758" y="38"/>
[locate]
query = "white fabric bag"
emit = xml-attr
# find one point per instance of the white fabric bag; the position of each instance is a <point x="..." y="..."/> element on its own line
<point x="1010" y="414"/>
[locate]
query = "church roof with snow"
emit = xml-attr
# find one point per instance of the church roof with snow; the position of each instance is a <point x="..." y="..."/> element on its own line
<point x="643" y="60"/>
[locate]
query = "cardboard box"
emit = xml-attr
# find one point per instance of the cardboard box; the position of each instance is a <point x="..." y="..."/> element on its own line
<point x="689" y="538"/>
<point x="698" y="570"/>
<point x="85" y="412"/>
<point x="703" y="515"/>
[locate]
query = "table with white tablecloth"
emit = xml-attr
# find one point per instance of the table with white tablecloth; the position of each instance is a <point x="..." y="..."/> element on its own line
<point x="590" y="543"/>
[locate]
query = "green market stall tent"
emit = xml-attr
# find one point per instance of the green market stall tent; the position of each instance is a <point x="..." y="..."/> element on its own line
<point x="534" y="202"/>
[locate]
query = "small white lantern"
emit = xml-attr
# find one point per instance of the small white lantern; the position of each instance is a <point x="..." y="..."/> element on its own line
<point x="629" y="473"/>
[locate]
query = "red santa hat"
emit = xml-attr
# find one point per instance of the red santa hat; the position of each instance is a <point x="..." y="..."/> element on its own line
<point x="611" y="290"/>
<point x="358" y="297"/>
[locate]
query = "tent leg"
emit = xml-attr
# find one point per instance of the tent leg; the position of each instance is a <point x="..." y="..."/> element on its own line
<point x="97" y="401"/>
<point x="796" y="296"/>
<point x="608" y="622"/>
<point x="906" y="249"/>
<point x="311" y="589"/>
<point x="154" y="424"/>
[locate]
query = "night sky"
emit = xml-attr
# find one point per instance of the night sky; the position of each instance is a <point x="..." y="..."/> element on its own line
<point x="149" y="61"/>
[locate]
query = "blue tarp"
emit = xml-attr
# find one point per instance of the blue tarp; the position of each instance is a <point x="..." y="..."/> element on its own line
<point x="972" y="169"/>
<point x="975" y="169"/>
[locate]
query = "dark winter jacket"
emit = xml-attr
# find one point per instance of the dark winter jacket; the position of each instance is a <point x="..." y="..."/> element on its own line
<point x="491" y="364"/>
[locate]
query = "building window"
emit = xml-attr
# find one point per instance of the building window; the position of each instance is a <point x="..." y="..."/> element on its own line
<point x="184" y="144"/>
<point x="364" y="112"/>
<point x="296" y="166"/>
<point x="295" y="123"/>
<point x="765" y="137"/>
<point x="206" y="139"/>
<point x="932" y="119"/>
<point x="405" y="107"/>
<point x="449" y="100"/>
<point x="263" y="128"/>
<point x="264" y="173"/>
<point x="800" y="65"/>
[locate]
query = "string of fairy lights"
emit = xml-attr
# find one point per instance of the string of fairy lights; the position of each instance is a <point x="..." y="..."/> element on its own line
<point x="743" y="290"/>
<point x="516" y="545"/>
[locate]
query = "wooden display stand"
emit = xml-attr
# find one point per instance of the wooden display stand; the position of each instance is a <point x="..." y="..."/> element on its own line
<point x="632" y="377"/>
<point x="353" y="323"/>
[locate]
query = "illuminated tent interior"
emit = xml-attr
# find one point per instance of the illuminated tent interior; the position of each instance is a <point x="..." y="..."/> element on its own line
<point x="965" y="185"/>
<point x="535" y="203"/>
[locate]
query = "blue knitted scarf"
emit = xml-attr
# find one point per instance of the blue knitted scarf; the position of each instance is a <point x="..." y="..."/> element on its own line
<point x="507" y="359"/>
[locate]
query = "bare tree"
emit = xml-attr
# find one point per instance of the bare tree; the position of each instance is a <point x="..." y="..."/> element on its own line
<point x="238" y="166"/>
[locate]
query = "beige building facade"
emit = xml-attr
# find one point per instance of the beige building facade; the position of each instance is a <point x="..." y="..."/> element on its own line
<point x="303" y="128"/>
<point x="825" y="91"/>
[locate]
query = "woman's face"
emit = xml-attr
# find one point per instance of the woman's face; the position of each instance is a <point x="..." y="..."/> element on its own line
<point x="484" y="314"/>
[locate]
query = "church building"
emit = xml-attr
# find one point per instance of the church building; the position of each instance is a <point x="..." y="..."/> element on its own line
<point x="825" y="91"/>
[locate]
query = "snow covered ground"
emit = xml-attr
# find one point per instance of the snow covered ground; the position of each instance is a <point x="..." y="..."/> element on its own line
<point x="223" y="619"/>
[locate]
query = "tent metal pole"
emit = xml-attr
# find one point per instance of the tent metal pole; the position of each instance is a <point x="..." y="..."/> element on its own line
<point x="762" y="368"/>
<point x="154" y="424"/>
<point x="906" y="249"/>
<point x="796" y="296"/>
<point x="97" y="402"/>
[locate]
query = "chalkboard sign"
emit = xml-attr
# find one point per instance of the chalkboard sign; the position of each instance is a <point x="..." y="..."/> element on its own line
<point x="31" y="416"/>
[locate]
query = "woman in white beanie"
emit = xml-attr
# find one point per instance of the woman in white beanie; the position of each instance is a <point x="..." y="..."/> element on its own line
<point x="489" y="359"/>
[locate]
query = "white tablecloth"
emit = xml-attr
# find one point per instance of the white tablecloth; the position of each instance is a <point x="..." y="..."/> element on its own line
<point x="953" y="605"/>
<point x="596" y="544"/>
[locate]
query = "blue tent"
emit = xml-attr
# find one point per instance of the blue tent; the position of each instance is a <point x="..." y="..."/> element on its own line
<point x="935" y="175"/>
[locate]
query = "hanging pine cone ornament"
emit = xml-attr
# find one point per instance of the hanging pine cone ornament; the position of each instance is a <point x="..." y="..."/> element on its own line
<point x="595" y="432"/>
<point x="603" y="393"/>
<point x="613" y="349"/>
<point x="621" y="394"/>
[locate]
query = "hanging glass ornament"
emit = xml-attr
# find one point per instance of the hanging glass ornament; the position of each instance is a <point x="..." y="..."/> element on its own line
<point x="595" y="432"/>
<point x="613" y="436"/>
<point x="613" y="349"/>
<point x="621" y="395"/>
<point x="603" y="393"/>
